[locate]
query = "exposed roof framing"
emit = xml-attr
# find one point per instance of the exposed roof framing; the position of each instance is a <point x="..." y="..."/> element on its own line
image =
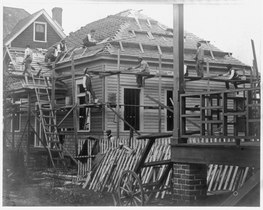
<point x="159" y="49"/>
<point x="141" y="47"/>
<point x="121" y="46"/>
<point x="150" y="35"/>
<point x="138" y="23"/>
<point x="149" y="23"/>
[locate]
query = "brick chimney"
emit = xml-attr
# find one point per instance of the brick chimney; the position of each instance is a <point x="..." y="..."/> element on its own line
<point x="57" y="15"/>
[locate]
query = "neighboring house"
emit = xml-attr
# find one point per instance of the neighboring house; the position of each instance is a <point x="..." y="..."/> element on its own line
<point x="38" y="30"/>
<point x="132" y="34"/>
<point x="11" y="17"/>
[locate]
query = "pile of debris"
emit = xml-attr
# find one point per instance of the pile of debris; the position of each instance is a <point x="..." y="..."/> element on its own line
<point x="108" y="167"/>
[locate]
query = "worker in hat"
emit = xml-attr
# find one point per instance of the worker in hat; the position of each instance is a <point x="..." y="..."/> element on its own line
<point x="89" y="39"/>
<point x="88" y="87"/>
<point x="199" y="59"/>
<point x="231" y="75"/>
<point x="51" y="54"/>
<point x="143" y="68"/>
<point x="61" y="49"/>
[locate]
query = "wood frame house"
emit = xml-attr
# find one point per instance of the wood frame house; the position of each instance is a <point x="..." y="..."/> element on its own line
<point x="40" y="31"/>
<point x="206" y="111"/>
<point x="123" y="106"/>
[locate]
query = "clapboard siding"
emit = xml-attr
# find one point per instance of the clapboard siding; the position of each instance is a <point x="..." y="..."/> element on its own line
<point x="97" y="84"/>
<point x="149" y="117"/>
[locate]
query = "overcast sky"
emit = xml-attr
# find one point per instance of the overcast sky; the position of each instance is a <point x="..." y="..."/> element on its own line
<point x="230" y="27"/>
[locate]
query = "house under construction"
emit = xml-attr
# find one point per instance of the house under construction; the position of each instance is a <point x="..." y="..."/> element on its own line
<point x="213" y="122"/>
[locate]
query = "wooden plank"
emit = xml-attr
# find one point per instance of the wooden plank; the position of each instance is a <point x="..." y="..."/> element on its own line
<point x="178" y="65"/>
<point x="228" y="177"/>
<point x="118" y="97"/>
<point x="234" y="198"/>
<point x="223" y="177"/>
<point x="242" y="156"/>
<point x="233" y="178"/>
<point x="160" y="103"/>
<point x="73" y="86"/>
<point x="159" y="95"/>
<point x="218" y="177"/>
<point x="212" y="178"/>
<point x="120" y="117"/>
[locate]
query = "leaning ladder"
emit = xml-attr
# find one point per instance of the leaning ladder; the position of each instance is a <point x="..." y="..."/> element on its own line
<point x="47" y="117"/>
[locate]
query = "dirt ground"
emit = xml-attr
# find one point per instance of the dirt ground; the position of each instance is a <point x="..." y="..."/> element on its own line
<point x="37" y="189"/>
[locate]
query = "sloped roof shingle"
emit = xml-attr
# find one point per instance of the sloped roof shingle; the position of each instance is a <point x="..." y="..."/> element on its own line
<point x="132" y="30"/>
<point x="11" y="16"/>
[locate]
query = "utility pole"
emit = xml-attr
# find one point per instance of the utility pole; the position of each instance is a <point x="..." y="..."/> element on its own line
<point x="178" y="54"/>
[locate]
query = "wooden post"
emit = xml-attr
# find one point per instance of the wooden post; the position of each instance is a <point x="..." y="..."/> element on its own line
<point x="13" y="130"/>
<point x="74" y="104"/>
<point x="159" y="95"/>
<point x="208" y="75"/>
<point x="28" y="128"/>
<point x="118" y="95"/>
<point x="178" y="54"/>
<point x="209" y="100"/>
<point x="255" y="64"/>
<point x="53" y="86"/>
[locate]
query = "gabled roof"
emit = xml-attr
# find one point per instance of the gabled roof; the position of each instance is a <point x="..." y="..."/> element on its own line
<point x="135" y="34"/>
<point x="11" y="16"/>
<point x="24" y="23"/>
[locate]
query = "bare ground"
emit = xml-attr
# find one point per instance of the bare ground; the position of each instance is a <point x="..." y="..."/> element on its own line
<point x="37" y="189"/>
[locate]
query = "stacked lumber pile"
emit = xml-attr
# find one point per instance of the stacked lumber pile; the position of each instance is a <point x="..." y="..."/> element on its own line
<point x="105" y="177"/>
<point x="226" y="178"/>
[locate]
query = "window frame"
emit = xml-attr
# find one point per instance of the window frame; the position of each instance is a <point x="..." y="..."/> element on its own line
<point x="20" y="117"/>
<point x="141" y="108"/>
<point x="166" y="111"/>
<point x="34" y="31"/>
<point x="79" y="81"/>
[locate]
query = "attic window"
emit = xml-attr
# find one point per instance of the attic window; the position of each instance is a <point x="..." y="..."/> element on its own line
<point x="40" y="32"/>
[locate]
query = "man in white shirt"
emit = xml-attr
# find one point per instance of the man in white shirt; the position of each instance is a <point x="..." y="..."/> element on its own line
<point x="143" y="69"/>
<point x="88" y="87"/>
<point x="28" y="57"/>
<point x="61" y="49"/>
<point x="89" y="40"/>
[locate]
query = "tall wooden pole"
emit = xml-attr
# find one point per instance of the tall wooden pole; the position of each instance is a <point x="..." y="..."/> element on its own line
<point x="53" y="86"/>
<point x="74" y="103"/>
<point x="255" y="64"/>
<point x="28" y="128"/>
<point x="118" y="95"/>
<point x="178" y="54"/>
<point x="13" y="130"/>
<point x="159" y="95"/>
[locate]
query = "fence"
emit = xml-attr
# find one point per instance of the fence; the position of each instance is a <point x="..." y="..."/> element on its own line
<point x="219" y="177"/>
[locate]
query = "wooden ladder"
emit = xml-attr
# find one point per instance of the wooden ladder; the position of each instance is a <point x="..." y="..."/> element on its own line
<point x="47" y="117"/>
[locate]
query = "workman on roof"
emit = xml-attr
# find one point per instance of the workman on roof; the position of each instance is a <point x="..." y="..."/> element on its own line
<point x="88" y="88"/>
<point x="89" y="40"/>
<point x="199" y="59"/>
<point x="28" y="58"/>
<point x="61" y="49"/>
<point x="231" y="75"/>
<point x="143" y="68"/>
